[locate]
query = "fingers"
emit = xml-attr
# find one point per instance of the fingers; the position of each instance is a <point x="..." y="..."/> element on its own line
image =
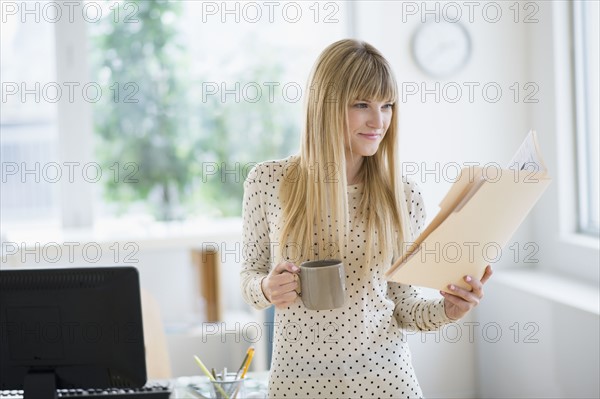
<point x="465" y="298"/>
<point x="461" y="306"/>
<point x="460" y="300"/>
<point x="284" y="300"/>
<point x="280" y="289"/>
<point x="469" y="296"/>
<point x="477" y="285"/>
<point x="488" y="273"/>
<point x="281" y="284"/>
<point x="283" y="278"/>
<point x="285" y="267"/>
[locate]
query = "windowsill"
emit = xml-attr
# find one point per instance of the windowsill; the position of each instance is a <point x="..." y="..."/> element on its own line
<point x="554" y="287"/>
<point x="582" y="240"/>
<point x="145" y="233"/>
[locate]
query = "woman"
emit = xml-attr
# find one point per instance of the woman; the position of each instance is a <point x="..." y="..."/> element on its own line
<point x="342" y="197"/>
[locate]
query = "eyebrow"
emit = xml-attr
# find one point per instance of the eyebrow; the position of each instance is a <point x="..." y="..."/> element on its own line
<point x="369" y="101"/>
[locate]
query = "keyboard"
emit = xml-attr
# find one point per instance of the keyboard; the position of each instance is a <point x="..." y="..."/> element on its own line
<point x="155" y="390"/>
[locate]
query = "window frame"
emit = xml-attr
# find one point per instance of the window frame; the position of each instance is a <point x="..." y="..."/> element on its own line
<point x="563" y="248"/>
<point x="74" y="138"/>
<point x="75" y="123"/>
<point x="582" y="116"/>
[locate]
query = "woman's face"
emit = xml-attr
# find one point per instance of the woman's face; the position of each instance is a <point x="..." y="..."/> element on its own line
<point x="368" y="120"/>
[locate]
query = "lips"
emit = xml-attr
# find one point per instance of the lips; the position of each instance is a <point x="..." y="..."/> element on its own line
<point x="370" y="136"/>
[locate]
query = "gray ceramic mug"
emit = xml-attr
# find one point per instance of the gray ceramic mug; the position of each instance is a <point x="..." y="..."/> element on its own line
<point x="322" y="284"/>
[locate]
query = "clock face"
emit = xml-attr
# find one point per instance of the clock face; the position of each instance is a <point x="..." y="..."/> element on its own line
<point x="441" y="48"/>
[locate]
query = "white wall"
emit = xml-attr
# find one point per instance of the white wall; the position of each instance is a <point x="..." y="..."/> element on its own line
<point x="546" y="349"/>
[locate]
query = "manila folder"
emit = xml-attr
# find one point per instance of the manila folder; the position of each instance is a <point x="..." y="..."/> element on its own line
<point x="478" y="216"/>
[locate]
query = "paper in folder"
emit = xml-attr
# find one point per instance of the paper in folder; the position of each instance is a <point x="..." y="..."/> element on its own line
<point x="477" y="217"/>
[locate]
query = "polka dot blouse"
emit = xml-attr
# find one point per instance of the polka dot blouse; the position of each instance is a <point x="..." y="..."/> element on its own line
<point x="358" y="350"/>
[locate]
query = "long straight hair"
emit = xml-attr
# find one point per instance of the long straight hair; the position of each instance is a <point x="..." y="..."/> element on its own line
<point x="314" y="192"/>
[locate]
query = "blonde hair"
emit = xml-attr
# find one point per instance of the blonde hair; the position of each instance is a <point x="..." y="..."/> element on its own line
<point x="315" y="201"/>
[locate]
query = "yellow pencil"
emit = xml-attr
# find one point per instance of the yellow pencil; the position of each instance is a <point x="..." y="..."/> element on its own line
<point x="247" y="365"/>
<point x="209" y="375"/>
<point x="239" y="372"/>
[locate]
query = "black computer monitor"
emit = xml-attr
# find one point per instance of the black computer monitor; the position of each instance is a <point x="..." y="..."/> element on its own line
<point x="70" y="328"/>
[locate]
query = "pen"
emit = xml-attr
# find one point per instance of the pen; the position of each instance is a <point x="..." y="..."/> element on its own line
<point x="209" y="375"/>
<point x="248" y="361"/>
<point x="239" y="372"/>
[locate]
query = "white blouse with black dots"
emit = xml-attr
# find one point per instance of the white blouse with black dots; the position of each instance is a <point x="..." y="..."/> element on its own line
<point x="358" y="350"/>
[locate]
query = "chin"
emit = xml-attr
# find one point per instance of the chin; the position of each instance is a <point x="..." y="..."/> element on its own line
<point x="363" y="150"/>
<point x="368" y="152"/>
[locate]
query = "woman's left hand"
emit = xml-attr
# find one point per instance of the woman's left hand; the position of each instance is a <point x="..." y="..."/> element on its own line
<point x="460" y="301"/>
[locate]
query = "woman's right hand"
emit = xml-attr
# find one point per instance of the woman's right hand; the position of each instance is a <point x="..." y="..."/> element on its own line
<point x="280" y="285"/>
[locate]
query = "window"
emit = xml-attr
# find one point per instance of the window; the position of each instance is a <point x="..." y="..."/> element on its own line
<point x="586" y="50"/>
<point x="28" y="121"/>
<point x="207" y="89"/>
<point x="192" y="94"/>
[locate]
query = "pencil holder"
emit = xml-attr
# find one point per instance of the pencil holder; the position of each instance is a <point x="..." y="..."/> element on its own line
<point x="228" y="387"/>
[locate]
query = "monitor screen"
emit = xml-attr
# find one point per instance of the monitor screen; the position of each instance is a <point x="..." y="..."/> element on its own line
<point x="70" y="328"/>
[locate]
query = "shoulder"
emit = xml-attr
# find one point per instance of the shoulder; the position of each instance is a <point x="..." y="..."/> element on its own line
<point x="270" y="174"/>
<point x="411" y="189"/>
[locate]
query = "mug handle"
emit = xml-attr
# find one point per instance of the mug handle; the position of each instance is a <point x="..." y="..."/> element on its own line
<point x="299" y="288"/>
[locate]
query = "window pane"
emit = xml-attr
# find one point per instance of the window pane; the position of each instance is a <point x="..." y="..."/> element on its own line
<point x="28" y="120"/>
<point x="217" y="87"/>
<point x="587" y="67"/>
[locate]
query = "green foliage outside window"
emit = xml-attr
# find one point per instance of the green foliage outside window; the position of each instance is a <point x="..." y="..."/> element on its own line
<point x="190" y="154"/>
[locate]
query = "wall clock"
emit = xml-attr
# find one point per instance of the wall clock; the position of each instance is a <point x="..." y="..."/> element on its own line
<point x="441" y="48"/>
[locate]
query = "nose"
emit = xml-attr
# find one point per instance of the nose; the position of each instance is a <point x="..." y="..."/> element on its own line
<point x="376" y="119"/>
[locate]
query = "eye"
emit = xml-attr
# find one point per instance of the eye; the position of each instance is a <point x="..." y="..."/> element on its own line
<point x="388" y="106"/>
<point x="361" y="105"/>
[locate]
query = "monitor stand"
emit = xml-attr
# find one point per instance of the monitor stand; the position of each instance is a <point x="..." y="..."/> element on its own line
<point x="39" y="385"/>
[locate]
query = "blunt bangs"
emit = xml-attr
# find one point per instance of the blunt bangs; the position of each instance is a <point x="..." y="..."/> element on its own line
<point x="372" y="79"/>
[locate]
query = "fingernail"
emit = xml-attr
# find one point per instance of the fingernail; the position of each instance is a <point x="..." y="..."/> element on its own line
<point x="468" y="278"/>
<point x="451" y="286"/>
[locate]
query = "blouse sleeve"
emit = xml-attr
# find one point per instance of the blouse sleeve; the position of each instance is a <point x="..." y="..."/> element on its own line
<point x="412" y="311"/>
<point x="255" y="237"/>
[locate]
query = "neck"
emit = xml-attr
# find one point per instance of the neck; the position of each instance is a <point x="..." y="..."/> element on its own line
<point x="353" y="165"/>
